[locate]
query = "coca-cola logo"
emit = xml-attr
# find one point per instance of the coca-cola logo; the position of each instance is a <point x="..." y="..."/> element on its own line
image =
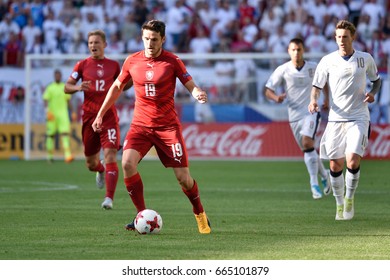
<point x="379" y="145"/>
<point x="235" y="141"/>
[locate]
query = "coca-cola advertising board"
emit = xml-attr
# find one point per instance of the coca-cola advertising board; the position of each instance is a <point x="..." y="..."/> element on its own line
<point x="262" y="141"/>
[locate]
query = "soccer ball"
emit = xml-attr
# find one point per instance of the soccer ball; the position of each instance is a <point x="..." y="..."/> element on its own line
<point x="148" y="221"/>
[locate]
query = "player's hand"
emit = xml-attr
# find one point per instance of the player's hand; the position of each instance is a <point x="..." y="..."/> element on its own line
<point x="313" y="107"/>
<point x="369" y="98"/>
<point x="85" y="85"/>
<point x="50" y="116"/>
<point x="73" y="117"/>
<point x="97" y="124"/>
<point x="200" y="95"/>
<point x="280" y="98"/>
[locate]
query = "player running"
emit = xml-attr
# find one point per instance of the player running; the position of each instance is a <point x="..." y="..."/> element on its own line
<point x="97" y="74"/>
<point x="296" y="77"/>
<point x="346" y="135"/>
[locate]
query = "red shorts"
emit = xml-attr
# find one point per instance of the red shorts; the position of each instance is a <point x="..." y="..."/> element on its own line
<point x="168" y="142"/>
<point x="109" y="138"/>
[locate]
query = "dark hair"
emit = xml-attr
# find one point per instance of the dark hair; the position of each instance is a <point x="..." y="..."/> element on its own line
<point x="154" y="25"/>
<point x="345" y="24"/>
<point x="297" y="41"/>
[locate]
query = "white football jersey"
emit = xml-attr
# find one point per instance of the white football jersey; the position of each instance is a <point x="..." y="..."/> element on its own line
<point x="347" y="84"/>
<point x="297" y="85"/>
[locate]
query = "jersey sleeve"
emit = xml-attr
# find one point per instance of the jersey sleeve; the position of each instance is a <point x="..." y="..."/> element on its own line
<point x="77" y="71"/>
<point x="124" y="75"/>
<point x="321" y="74"/>
<point x="372" y="70"/>
<point x="276" y="79"/>
<point x="181" y="72"/>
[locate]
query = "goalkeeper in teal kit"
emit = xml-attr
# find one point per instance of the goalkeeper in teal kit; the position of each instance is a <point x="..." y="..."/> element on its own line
<point x="57" y="105"/>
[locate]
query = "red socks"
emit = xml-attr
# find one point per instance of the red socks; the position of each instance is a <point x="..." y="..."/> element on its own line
<point x="193" y="196"/>
<point x="111" y="178"/>
<point x="135" y="188"/>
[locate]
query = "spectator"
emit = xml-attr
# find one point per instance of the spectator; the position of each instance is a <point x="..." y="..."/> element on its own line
<point x="338" y="9"/>
<point x="13" y="51"/>
<point x="318" y="10"/>
<point x="19" y="11"/>
<point x="207" y="14"/>
<point x="7" y="25"/>
<point x="115" y="45"/>
<point x="375" y="11"/>
<point x="29" y="32"/>
<point x="177" y="23"/>
<point x="50" y="26"/>
<point x="224" y="77"/>
<point x="37" y="8"/>
<point x="129" y="29"/>
<point x="199" y="45"/>
<point x="135" y="44"/>
<point x="246" y="13"/>
<point x="292" y="26"/>
<point x="141" y="12"/>
<point x="118" y="11"/>
<point x="316" y="42"/>
<point x="96" y="10"/>
<point x="249" y="31"/>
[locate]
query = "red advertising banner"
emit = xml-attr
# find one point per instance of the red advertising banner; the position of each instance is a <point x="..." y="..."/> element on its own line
<point x="262" y="141"/>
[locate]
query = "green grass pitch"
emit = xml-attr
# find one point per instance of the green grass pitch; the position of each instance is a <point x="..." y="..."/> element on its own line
<point x="259" y="210"/>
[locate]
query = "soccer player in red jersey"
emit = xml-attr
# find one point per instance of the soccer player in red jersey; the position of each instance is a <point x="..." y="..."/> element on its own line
<point x="153" y="72"/>
<point x="97" y="73"/>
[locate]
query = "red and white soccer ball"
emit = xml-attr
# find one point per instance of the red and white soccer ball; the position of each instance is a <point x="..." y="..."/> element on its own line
<point x="148" y="221"/>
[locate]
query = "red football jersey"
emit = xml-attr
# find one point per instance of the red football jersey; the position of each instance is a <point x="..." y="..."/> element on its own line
<point x="102" y="73"/>
<point x="154" y="82"/>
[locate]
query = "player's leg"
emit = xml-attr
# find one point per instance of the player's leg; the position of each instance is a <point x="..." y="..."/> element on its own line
<point x="133" y="181"/>
<point x="92" y="147"/>
<point x="357" y="135"/>
<point x="190" y="189"/>
<point x="137" y="144"/>
<point x="63" y="123"/>
<point x="304" y="131"/>
<point x="110" y="141"/>
<point x="50" y="136"/>
<point x="111" y="177"/>
<point x="337" y="182"/>
<point x="333" y="147"/>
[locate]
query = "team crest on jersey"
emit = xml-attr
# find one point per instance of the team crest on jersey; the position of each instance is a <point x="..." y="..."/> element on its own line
<point x="100" y="73"/>
<point x="149" y="75"/>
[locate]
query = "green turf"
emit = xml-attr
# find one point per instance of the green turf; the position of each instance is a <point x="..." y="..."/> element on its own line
<point x="258" y="210"/>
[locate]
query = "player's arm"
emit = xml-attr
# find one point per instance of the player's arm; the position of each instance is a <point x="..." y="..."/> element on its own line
<point x="112" y="95"/>
<point x="71" y="86"/>
<point x="325" y="91"/>
<point x="271" y="95"/>
<point x="196" y="91"/>
<point x="315" y="95"/>
<point x="370" y="96"/>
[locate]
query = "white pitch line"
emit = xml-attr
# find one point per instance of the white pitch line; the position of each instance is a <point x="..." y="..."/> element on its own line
<point x="48" y="186"/>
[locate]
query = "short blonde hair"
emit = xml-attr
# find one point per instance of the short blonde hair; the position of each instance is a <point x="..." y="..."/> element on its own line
<point x="97" y="32"/>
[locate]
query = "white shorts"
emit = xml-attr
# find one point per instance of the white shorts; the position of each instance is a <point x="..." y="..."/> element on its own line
<point x="306" y="126"/>
<point x="341" y="138"/>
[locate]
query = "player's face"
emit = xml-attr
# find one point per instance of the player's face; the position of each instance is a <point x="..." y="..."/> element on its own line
<point x="296" y="52"/>
<point x="344" y="40"/>
<point x="152" y="42"/>
<point x="96" y="46"/>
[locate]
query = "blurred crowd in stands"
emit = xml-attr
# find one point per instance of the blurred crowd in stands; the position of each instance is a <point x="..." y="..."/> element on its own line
<point x="194" y="26"/>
